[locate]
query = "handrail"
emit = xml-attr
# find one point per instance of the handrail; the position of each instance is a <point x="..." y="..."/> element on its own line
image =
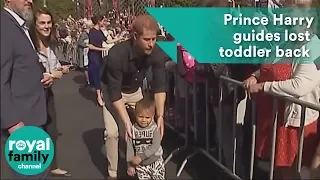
<point x="290" y="99"/>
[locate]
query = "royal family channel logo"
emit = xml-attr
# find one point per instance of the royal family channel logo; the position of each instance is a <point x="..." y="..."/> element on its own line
<point x="29" y="150"/>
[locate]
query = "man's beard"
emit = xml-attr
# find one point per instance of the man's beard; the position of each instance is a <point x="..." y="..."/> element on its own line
<point x="28" y="16"/>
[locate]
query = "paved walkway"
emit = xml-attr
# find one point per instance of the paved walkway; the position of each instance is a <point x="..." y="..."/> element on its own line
<point x="80" y="147"/>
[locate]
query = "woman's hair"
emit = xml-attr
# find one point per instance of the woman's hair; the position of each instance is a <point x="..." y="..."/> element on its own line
<point x="52" y="39"/>
<point x="97" y="18"/>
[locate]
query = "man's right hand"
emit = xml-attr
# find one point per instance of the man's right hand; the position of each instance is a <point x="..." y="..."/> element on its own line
<point x="47" y="80"/>
<point x="15" y="127"/>
<point x="128" y="131"/>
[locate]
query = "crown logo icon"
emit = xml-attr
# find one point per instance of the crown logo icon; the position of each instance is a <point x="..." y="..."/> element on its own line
<point x="21" y="145"/>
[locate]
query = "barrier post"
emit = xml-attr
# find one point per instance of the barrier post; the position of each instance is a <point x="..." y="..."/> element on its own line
<point x="234" y="128"/>
<point x="207" y="116"/>
<point x="195" y="150"/>
<point x="301" y="137"/>
<point x="253" y="140"/>
<point x="274" y="137"/>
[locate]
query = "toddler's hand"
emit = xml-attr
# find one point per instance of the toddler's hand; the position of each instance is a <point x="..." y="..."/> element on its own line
<point x="136" y="160"/>
<point x="131" y="171"/>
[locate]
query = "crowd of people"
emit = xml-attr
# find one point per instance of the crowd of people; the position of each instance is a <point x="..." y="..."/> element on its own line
<point x="117" y="55"/>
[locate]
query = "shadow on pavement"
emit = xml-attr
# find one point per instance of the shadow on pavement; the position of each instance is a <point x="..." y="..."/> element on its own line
<point x="94" y="142"/>
<point x="88" y="93"/>
<point x="79" y="79"/>
<point x="93" y="139"/>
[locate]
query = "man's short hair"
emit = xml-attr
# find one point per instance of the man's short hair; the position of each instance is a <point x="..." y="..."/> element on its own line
<point x="143" y="22"/>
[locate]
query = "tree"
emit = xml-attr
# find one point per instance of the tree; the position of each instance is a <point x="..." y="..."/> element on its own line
<point x="60" y="9"/>
<point x="176" y="3"/>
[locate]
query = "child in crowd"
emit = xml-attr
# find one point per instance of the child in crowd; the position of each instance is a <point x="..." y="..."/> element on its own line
<point x="144" y="151"/>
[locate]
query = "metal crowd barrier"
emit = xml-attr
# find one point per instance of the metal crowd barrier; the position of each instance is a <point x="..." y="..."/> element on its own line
<point x="304" y="105"/>
<point x="192" y="126"/>
<point x="206" y="151"/>
<point x="72" y="54"/>
<point x="68" y="53"/>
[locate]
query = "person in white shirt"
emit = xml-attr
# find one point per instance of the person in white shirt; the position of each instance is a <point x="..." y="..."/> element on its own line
<point x="44" y="41"/>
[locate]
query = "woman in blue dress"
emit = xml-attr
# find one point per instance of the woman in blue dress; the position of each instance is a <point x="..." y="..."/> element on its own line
<point x="96" y="38"/>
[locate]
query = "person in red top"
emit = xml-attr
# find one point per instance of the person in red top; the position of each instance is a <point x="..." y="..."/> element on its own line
<point x="287" y="134"/>
<point x="287" y="140"/>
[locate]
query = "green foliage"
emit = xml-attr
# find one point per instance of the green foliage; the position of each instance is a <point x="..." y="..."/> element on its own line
<point x="60" y="9"/>
<point x="177" y="3"/>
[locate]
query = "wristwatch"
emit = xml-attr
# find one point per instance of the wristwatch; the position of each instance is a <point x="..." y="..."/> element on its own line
<point x="160" y="116"/>
<point x="49" y="74"/>
<point x="253" y="75"/>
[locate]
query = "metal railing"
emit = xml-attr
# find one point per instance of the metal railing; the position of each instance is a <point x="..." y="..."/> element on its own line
<point x="192" y="125"/>
<point x="304" y="106"/>
<point x="68" y="53"/>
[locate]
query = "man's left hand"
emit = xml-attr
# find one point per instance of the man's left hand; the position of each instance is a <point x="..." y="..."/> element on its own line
<point x="160" y="123"/>
<point x="47" y="80"/>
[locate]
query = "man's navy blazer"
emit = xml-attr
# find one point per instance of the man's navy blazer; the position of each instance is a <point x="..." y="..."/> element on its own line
<point x="22" y="93"/>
